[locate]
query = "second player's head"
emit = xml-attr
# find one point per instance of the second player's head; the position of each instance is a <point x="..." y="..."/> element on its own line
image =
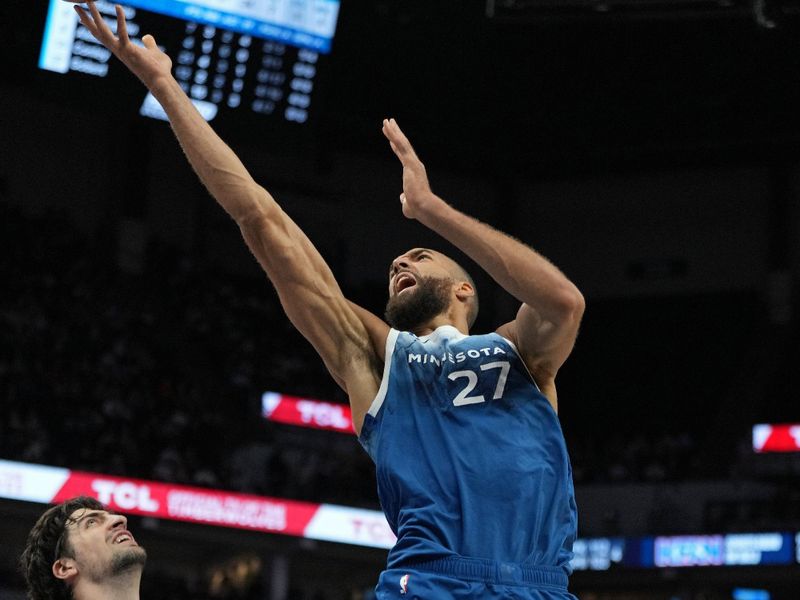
<point x="424" y="284"/>
<point x="78" y="543"/>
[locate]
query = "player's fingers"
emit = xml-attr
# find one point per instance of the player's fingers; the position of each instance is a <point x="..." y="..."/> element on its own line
<point x="394" y="140"/>
<point x="149" y="42"/>
<point x="399" y="143"/>
<point x="104" y="34"/>
<point x="86" y="21"/>
<point x="122" y="26"/>
<point x="397" y="131"/>
<point x="385" y="129"/>
<point x="400" y="140"/>
<point x="404" y="152"/>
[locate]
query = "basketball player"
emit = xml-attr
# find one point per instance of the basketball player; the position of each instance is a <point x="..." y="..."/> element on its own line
<point x="79" y="551"/>
<point x="473" y="473"/>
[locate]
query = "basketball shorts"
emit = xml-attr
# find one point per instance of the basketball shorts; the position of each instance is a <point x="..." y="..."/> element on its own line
<point x="461" y="578"/>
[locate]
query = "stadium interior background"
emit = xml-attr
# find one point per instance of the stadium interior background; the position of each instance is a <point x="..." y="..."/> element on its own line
<point x="651" y="149"/>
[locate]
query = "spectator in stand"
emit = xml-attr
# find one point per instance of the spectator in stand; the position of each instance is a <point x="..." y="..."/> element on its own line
<point x="78" y="550"/>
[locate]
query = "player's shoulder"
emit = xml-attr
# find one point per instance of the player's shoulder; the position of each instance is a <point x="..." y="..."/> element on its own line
<point x="508" y="332"/>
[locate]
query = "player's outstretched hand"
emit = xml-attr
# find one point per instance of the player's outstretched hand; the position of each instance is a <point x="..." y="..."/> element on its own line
<point x="416" y="189"/>
<point x="148" y="63"/>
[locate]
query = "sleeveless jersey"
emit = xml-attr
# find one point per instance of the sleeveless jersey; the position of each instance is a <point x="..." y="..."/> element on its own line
<point x="470" y="456"/>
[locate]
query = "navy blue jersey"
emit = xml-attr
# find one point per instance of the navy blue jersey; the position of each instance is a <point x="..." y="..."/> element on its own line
<point x="470" y="457"/>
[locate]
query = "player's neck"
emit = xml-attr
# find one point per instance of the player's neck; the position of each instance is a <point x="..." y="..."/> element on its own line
<point x="454" y="320"/>
<point x="124" y="586"/>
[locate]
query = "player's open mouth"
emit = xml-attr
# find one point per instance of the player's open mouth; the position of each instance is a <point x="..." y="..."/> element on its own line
<point x="123" y="537"/>
<point x="404" y="282"/>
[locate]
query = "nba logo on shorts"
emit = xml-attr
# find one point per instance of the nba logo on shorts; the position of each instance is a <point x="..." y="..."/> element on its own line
<point x="404" y="584"/>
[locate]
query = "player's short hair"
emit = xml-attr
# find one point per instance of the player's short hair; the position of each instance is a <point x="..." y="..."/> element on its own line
<point x="47" y="542"/>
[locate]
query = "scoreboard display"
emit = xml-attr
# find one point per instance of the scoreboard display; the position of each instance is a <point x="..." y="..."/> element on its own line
<point x="722" y="550"/>
<point x="230" y="56"/>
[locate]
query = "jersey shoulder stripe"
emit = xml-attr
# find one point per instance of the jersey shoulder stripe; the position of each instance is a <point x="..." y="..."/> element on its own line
<point x="391" y="341"/>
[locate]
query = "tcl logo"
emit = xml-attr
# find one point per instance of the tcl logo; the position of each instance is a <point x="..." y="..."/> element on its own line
<point x="372" y="529"/>
<point x="322" y="415"/>
<point x="126" y="495"/>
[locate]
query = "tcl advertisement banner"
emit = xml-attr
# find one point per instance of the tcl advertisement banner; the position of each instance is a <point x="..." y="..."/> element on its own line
<point x="42" y="484"/>
<point x="776" y="438"/>
<point x="306" y="413"/>
<point x="36" y="483"/>
<point x="134" y="496"/>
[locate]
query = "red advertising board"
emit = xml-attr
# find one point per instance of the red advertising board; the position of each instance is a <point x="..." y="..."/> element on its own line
<point x="306" y="413"/>
<point x="328" y="522"/>
<point x="776" y="438"/>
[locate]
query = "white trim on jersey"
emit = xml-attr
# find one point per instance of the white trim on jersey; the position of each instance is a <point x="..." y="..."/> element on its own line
<point x="443" y="331"/>
<point x="391" y="340"/>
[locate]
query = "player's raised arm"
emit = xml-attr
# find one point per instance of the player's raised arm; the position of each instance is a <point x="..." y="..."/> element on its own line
<point x="307" y="289"/>
<point x="547" y="323"/>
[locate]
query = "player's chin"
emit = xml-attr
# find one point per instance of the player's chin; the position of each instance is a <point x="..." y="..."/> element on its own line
<point x="127" y="558"/>
<point x="400" y="299"/>
<point x="403" y="295"/>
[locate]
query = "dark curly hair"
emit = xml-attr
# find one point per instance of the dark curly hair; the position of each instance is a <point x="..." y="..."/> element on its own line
<point x="47" y="542"/>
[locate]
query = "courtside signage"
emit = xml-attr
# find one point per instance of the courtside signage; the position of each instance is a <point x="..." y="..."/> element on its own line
<point x="736" y="549"/>
<point x="306" y="413"/>
<point x="776" y="438"/>
<point x="343" y="524"/>
<point x="36" y="483"/>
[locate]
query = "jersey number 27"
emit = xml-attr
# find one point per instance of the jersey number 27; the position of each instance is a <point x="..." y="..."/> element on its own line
<point x="463" y="396"/>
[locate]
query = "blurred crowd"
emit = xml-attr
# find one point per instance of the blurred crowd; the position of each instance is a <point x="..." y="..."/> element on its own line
<point x="619" y="457"/>
<point x="157" y="375"/>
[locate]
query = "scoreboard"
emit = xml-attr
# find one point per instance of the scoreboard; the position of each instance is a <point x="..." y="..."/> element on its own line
<point x="256" y="56"/>
<point x="723" y="550"/>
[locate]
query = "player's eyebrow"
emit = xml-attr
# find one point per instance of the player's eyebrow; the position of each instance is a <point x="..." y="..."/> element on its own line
<point x="416" y="253"/>
<point x="413" y="254"/>
<point x="94" y="513"/>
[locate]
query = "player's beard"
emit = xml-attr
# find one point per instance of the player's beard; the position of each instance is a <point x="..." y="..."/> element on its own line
<point x="429" y="298"/>
<point x="127" y="558"/>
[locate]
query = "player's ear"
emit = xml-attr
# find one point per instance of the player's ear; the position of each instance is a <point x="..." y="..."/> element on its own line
<point x="65" y="569"/>
<point x="464" y="290"/>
